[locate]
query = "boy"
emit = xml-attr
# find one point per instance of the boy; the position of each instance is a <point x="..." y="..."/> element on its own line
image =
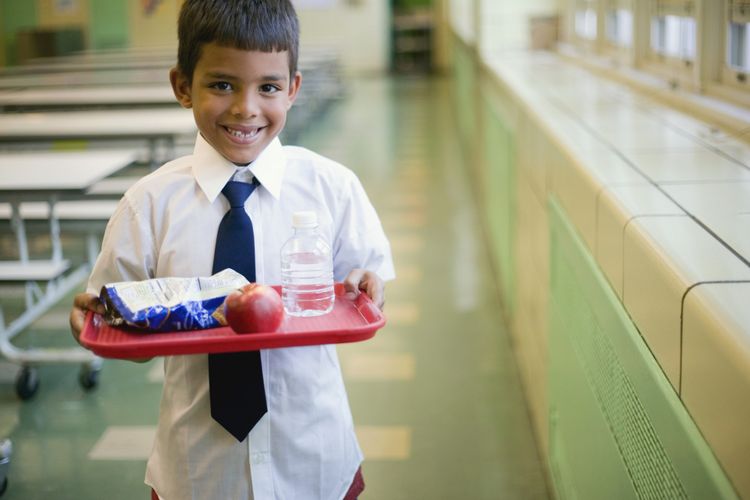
<point x="237" y="70"/>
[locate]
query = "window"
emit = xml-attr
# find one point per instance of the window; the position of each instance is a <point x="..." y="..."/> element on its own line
<point x="738" y="53"/>
<point x="619" y="24"/>
<point x="585" y="19"/>
<point x="738" y="36"/>
<point x="700" y="46"/>
<point x="735" y="67"/>
<point x="673" y="29"/>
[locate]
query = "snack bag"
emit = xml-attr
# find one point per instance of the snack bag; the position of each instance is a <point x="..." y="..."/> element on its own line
<point x="170" y="304"/>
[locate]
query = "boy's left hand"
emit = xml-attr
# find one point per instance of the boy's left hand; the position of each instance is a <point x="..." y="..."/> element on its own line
<point x="366" y="281"/>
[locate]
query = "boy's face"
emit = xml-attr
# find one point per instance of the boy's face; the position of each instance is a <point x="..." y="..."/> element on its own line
<point x="239" y="98"/>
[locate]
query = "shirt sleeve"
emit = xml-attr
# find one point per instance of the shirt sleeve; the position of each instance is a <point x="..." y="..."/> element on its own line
<point x="360" y="241"/>
<point x="127" y="252"/>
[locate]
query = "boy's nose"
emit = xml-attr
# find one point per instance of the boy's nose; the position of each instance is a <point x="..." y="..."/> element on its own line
<point x="245" y="105"/>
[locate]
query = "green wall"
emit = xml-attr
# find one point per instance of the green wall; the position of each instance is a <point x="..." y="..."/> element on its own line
<point x="409" y="4"/>
<point x="15" y="15"/>
<point x="499" y="197"/>
<point x="109" y="24"/>
<point x="617" y="428"/>
<point x="465" y="80"/>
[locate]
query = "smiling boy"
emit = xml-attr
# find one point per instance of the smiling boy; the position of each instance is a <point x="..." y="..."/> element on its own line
<point x="239" y="98"/>
<point x="237" y="71"/>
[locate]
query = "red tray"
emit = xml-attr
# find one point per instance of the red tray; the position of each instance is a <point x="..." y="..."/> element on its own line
<point x="349" y="321"/>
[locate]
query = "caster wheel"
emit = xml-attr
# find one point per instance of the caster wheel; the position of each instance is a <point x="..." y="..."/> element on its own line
<point x="88" y="378"/>
<point x="3" y="486"/>
<point x="27" y="383"/>
<point x="6" y="450"/>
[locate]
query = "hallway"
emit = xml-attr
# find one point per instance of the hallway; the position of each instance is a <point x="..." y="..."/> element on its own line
<point x="436" y="395"/>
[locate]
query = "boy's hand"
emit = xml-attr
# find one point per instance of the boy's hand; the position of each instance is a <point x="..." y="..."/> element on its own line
<point x="367" y="281"/>
<point x="82" y="303"/>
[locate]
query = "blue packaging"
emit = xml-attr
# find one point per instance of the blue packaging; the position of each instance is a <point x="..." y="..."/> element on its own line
<point x="170" y="304"/>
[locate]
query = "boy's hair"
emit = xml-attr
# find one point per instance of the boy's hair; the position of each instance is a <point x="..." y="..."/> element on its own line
<point x="263" y="25"/>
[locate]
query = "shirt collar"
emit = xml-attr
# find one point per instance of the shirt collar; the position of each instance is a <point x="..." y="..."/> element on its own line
<point x="212" y="171"/>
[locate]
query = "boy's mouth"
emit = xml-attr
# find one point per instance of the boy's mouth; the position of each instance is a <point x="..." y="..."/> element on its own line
<point x="243" y="134"/>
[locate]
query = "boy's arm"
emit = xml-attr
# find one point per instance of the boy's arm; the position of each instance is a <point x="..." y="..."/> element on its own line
<point x="366" y="281"/>
<point x="361" y="250"/>
<point x="126" y="255"/>
<point x="362" y="254"/>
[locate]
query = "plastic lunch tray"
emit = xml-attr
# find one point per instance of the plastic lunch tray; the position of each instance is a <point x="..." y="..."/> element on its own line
<point x="349" y="321"/>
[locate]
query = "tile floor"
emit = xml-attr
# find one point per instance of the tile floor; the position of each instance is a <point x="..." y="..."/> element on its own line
<point x="435" y="395"/>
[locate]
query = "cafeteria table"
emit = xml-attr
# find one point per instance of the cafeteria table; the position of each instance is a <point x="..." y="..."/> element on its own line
<point x="86" y="78"/>
<point x="155" y="125"/>
<point x="42" y="98"/>
<point x="48" y="176"/>
<point x="82" y="65"/>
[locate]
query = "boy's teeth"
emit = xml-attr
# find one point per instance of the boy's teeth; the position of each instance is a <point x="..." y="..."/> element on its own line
<point x="239" y="133"/>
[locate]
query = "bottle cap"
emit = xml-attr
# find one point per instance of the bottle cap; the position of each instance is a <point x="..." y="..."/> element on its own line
<point x="305" y="218"/>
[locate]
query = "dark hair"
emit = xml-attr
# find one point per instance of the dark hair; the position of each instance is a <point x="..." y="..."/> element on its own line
<point x="263" y="25"/>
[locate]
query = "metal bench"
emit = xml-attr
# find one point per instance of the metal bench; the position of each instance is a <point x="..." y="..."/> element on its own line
<point x="45" y="187"/>
<point x="45" y="281"/>
<point x="89" y="216"/>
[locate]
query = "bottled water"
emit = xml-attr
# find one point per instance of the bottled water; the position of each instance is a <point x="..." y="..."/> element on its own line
<point x="306" y="269"/>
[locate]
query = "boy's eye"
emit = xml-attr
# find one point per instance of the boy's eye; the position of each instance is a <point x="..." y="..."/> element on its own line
<point x="267" y="88"/>
<point x="222" y="86"/>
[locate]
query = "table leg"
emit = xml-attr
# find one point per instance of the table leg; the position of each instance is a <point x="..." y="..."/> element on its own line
<point x="20" y="229"/>
<point x="152" y="156"/>
<point x="54" y="229"/>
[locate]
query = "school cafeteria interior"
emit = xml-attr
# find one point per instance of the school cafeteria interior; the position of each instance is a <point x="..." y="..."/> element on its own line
<point x="565" y="185"/>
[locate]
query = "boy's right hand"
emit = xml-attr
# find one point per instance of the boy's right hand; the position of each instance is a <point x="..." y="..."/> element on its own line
<point x="82" y="303"/>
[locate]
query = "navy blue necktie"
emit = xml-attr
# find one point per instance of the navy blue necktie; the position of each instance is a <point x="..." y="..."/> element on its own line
<point x="238" y="399"/>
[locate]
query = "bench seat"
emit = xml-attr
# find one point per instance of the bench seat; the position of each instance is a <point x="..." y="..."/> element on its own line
<point x="112" y="186"/>
<point x="33" y="270"/>
<point x="79" y="210"/>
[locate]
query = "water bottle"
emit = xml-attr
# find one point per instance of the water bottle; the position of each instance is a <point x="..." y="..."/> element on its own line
<point x="306" y="269"/>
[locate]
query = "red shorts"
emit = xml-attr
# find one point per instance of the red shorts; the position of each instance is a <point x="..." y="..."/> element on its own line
<point x="356" y="488"/>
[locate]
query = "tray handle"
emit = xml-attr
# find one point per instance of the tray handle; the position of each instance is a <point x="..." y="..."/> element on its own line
<point x="368" y="309"/>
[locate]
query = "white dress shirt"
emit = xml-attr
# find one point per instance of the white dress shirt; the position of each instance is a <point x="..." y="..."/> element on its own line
<point x="165" y="225"/>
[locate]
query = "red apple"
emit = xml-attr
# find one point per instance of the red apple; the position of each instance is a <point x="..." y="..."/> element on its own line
<point x="254" y="308"/>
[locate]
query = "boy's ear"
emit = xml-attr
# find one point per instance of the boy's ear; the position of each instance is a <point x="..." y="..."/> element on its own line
<point x="181" y="88"/>
<point x="294" y="88"/>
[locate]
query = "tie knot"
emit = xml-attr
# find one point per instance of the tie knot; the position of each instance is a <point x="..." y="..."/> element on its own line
<point x="237" y="193"/>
